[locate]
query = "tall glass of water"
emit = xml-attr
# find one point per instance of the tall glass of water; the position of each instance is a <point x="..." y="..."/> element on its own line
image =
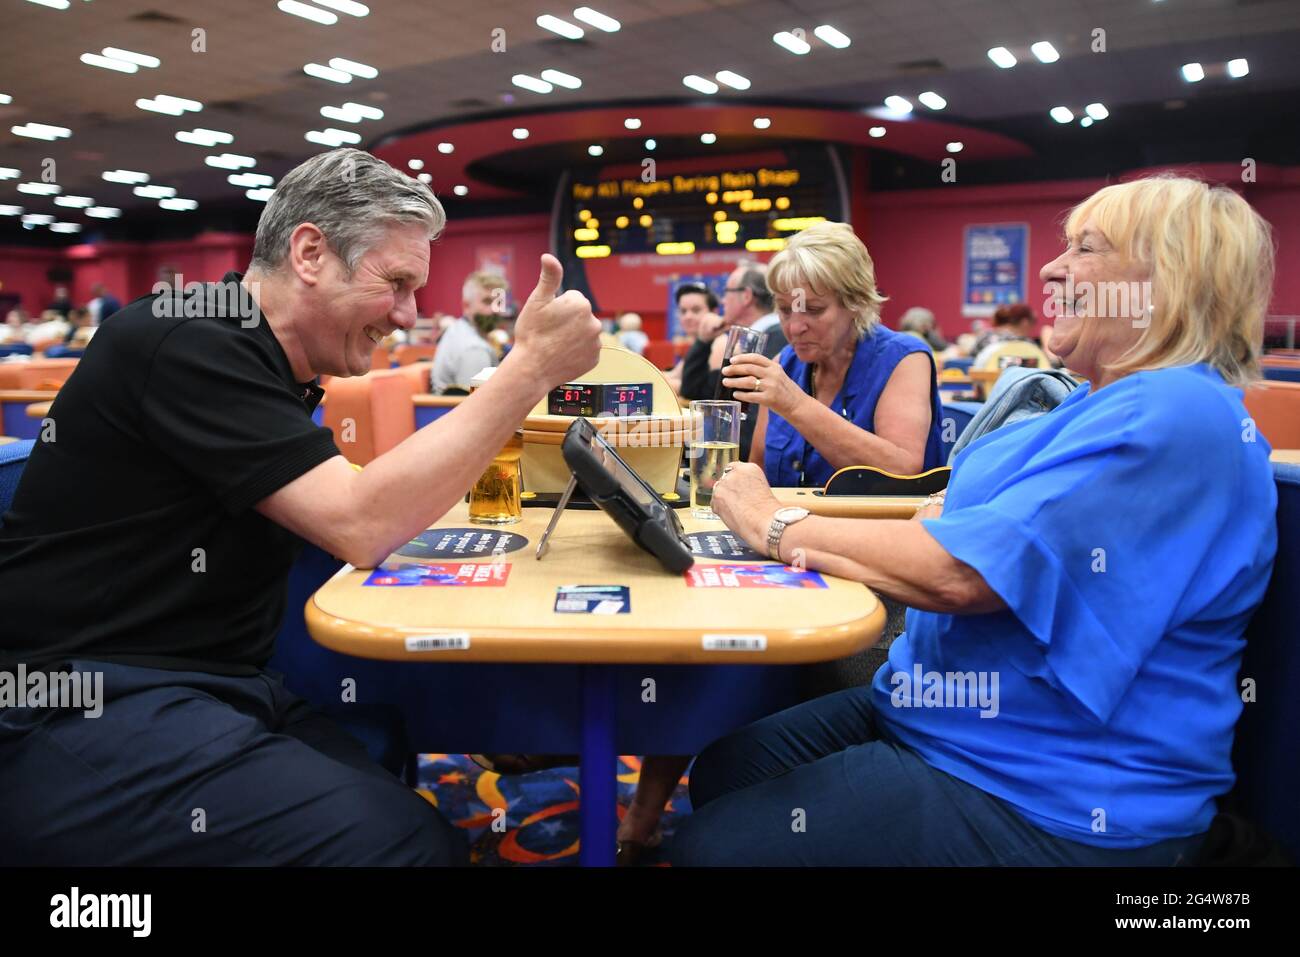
<point x="715" y="444"/>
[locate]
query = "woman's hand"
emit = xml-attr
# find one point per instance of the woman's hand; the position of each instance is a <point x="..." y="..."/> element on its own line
<point x="762" y="381"/>
<point x="744" y="501"/>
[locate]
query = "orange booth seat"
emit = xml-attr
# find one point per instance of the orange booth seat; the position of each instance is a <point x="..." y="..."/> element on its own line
<point x="405" y="355"/>
<point x="36" y="373"/>
<point x="372" y="413"/>
<point x="1275" y="407"/>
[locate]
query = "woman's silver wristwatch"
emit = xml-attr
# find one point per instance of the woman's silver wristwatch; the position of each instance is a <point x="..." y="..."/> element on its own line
<point x="783" y="518"/>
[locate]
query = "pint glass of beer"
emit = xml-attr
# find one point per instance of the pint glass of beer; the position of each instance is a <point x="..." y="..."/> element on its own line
<point x="494" y="499"/>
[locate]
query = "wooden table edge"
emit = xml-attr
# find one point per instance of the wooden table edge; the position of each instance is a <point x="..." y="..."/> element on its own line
<point x="522" y="646"/>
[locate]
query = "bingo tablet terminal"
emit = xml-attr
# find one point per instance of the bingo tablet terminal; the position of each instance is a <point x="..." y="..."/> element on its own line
<point x="609" y="482"/>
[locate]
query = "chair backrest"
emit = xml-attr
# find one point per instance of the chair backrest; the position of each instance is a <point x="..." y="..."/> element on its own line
<point x="661" y="352"/>
<point x="1282" y="373"/>
<point x="868" y="480"/>
<point x="956" y="416"/>
<point x="16" y="349"/>
<point x="405" y="355"/>
<point x="370" y="414"/>
<point x="958" y="362"/>
<point x="1265" y="753"/>
<point x="13" y="459"/>
<point x="36" y="373"/>
<point x="64" y="352"/>
<point x="1275" y="408"/>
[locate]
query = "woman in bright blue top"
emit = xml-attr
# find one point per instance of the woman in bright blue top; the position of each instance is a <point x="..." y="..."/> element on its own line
<point x="846" y="390"/>
<point x="1066" y="690"/>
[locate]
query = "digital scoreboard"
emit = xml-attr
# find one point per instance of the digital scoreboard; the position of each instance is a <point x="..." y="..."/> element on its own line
<point x="752" y="209"/>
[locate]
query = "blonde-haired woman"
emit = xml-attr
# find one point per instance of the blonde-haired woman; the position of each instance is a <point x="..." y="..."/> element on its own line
<point x="1085" y="587"/>
<point x="846" y="390"/>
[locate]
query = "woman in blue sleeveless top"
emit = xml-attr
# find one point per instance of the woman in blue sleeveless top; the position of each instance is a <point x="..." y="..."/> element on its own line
<point x="846" y="390"/>
<point x="1066" y="690"/>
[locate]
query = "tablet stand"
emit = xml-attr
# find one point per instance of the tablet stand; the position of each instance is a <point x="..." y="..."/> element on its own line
<point x="555" y="516"/>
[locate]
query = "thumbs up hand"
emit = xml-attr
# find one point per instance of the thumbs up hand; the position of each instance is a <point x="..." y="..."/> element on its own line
<point x="557" y="336"/>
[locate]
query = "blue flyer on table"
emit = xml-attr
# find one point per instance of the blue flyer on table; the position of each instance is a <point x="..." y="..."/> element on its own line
<point x="593" y="600"/>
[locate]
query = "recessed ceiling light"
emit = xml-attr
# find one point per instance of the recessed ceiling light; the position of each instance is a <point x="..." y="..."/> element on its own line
<point x="40" y="189"/>
<point x="307" y="12"/>
<point x="531" y="83"/>
<point x="194" y="106"/>
<point x="1086" y="122"/>
<point x="933" y="100"/>
<point x="791" y="42"/>
<point x="327" y="73"/>
<point x="104" y="212"/>
<point x="260" y="195"/>
<point x="877" y="131"/>
<point x="595" y="149"/>
<point x="415" y="163"/>
<point x="708" y="139"/>
<point x="350" y="7"/>
<point x="1238" y="68"/>
<point x="762" y="122"/>
<point x="563" y="27"/>
<point x="180" y="205"/>
<point x="1193" y="72"/>
<point x="340" y="114"/>
<point x="362" y="70"/>
<point x="76" y="202"/>
<point x="40" y="131"/>
<point x="139" y="59"/>
<point x="460" y="190"/>
<point x="446" y="148"/>
<point x="230" y="161"/>
<point x="11" y="210"/>
<point x="127" y="176"/>
<point x="650" y="145"/>
<point x="632" y="123"/>
<point x="344" y="136"/>
<point x="321" y="137"/>
<point x="202" y="137"/>
<point x="362" y="110"/>
<point x="519" y="133"/>
<point x="828" y="34"/>
<point x="559" y="78"/>
<point x="1097" y="111"/>
<point x="153" y="106"/>
<point x="700" y="84"/>
<point x="1062" y="114"/>
<point x="39" y="219"/>
<point x="955" y="147"/>
<point x="425" y="178"/>
<point x="249" y="180"/>
<point x="898" y="104"/>
<point x="597" y="19"/>
<point x="65" y="227"/>
<point x="1045" y="52"/>
<point x="734" y="80"/>
<point x="8" y="172"/>
<point x="155" y="192"/>
<point x="5" y="99"/>
<point x="108" y="63"/>
<point x="53" y="4"/>
<point x="1003" y="57"/>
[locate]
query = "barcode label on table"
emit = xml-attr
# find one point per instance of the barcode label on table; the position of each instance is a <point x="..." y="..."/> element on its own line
<point x="454" y="641"/>
<point x="735" y="642"/>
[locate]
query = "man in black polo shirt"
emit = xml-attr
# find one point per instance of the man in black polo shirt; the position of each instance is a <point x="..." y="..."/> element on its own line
<point x="150" y="542"/>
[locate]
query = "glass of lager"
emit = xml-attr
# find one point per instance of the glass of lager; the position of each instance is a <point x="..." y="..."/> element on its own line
<point x="715" y="444"/>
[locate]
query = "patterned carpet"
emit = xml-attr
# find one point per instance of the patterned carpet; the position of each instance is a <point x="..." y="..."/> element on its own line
<point x="541" y="809"/>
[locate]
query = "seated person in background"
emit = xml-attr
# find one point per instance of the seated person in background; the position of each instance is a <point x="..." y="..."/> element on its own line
<point x="102" y="305"/>
<point x="847" y="390"/>
<point x="747" y="302"/>
<point x="695" y="303"/>
<point x="1012" y="322"/>
<point x="50" y="330"/>
<point x="464" y="349"/>
<point x="15" y="327"/>
<point x="80" y="330"/>
<point x="630" y="336"/>
<point x="207" y="472"/>
<point x="1077" y="585"/>
<point x="920" y="321"/>
<point x="62" y="302"/>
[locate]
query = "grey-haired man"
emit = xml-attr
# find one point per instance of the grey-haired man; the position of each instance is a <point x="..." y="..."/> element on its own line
<point x="152" y="542"/>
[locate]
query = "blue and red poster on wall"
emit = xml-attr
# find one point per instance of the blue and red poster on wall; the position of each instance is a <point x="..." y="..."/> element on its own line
<point x="993" y="267"/>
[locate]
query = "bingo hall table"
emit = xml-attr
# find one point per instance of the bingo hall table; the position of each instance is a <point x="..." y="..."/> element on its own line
<point x="488" y="649"/>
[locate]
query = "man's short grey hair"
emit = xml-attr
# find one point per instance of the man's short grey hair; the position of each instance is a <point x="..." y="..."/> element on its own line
<point x="916" y="319"/>
<point x="754" y="278"/>
<point x="352" y="198"/>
